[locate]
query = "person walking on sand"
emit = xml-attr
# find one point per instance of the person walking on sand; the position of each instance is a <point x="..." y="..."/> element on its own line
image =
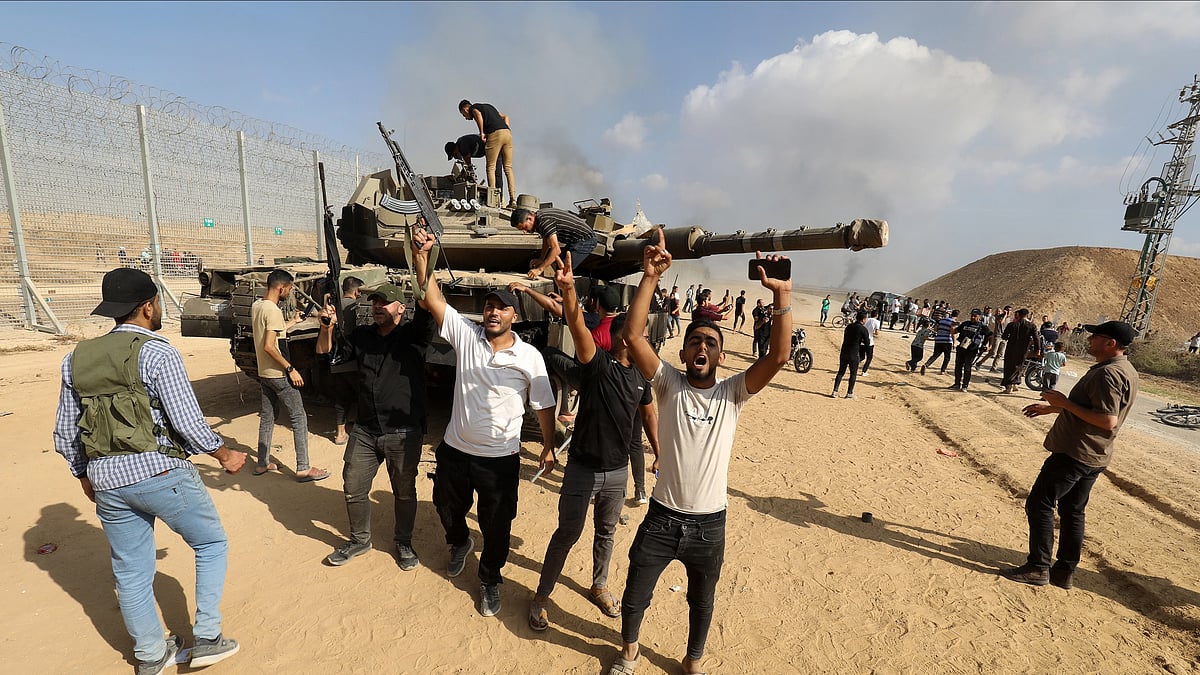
<point x="1081" y="447"/>
<point x="917" y="347"/>
<point x="824" y="310"/>
<point x="278" y="381"/>
<point x="612" y="390"/>
<point x="496" y="373"/>
<point x="739" y="311"/>
<point x="969" y="338"/>
<point x="854" y="343"/>
<point x="1052" y="364"/>
<point x="698" y="415"/>
<point x="872" y="325"/>
<point x="943" y="341"/>
<point x="390" y="375"/>
<point x="137" y="473"/>
<point x="496" y="134"/>
<point x="1019" y="337"/>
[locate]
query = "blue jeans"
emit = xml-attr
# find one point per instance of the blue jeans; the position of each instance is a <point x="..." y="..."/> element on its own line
<point x="580" y="485"/>
<point x="127" y="514"/>
<point x="697" y="541"/>
<point x="1066" y="483"/>
<point x="278" y="391"/>
<point x="364" y="453"/>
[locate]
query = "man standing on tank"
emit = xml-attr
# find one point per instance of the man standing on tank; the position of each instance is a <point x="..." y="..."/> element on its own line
<point x="494" y="132"/>
<point x="561" y="231"/>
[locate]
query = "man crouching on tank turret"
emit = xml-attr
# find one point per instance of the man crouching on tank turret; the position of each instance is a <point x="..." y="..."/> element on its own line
<point x="698" y="414"/>
<point x="560" y="231"/>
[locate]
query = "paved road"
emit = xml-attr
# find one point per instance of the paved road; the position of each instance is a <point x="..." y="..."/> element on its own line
<point x="1140" y="418"/>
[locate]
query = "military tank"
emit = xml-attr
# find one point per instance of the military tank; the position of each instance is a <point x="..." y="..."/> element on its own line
<point x="479" y="251"/>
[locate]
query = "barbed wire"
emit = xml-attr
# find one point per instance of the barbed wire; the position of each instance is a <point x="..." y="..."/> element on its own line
<point x="31" y="65"/>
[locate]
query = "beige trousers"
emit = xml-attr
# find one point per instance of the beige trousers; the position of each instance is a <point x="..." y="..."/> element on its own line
<point x="499" y="145"/>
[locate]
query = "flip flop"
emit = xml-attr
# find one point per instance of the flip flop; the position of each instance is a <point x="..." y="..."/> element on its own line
<point x="608" y="604"/>
<point x="260" y="470"/>
<point x="537" y="616"/>
<point x="313" y="475"/>
<point x="624" y="666"/>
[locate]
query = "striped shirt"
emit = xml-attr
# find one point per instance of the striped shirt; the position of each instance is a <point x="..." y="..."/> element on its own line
<point x="569" y="227"/>
<point x="161" y="369"/>
<point x="944" y="328"/>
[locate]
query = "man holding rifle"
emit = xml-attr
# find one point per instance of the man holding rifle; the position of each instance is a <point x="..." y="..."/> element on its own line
<point x="698" y="414"/>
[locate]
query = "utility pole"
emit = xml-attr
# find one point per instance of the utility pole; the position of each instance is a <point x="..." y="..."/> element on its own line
<point x="1155" y="208"/>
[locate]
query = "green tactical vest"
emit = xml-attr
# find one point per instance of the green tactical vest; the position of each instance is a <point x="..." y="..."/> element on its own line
<point x="116" y="417"/>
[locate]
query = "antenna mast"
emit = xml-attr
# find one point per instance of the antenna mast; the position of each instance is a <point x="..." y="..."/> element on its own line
<point x="1155" y="208"/>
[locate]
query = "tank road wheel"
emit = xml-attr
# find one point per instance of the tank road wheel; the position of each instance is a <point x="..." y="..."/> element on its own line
<point x="803" y="360"/>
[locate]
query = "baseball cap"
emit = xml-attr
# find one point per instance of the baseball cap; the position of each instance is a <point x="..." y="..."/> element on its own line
<point x="388" y="293"/>
<point x="1120" y="331"/>
<point x="503" y="295"/>
<point x="977" y="312"/>
<point x="123" y="289"/>
<point x="450" y="149"/>
<point x="607" y="297"/>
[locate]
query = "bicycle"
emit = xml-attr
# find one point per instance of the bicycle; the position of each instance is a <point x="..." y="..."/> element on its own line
<point x="801" y="356"/>
<point x="843" y="320"/>
<point x="1179" y="415"/>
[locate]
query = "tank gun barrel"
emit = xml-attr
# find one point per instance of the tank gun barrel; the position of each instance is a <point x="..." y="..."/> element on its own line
<point x="690" y="243"/>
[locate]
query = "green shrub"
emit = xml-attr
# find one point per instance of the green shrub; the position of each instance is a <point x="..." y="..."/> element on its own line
<point x="1163" y="357"/>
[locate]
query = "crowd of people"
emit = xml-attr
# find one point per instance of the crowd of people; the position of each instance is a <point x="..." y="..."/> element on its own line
<point x="174" y="262"/>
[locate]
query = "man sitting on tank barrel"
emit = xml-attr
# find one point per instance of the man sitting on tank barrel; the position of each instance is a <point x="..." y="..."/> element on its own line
<point x="560" y="231"/>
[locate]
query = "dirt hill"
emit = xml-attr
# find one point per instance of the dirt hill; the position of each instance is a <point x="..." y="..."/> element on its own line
<point x="1076" y="284"/>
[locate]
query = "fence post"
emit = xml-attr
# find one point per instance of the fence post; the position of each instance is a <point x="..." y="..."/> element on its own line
<point x="29" y="292"/>
<point x="320" y="208"/>
<point x="152" y="213"/>
<point x="241" y="139"/>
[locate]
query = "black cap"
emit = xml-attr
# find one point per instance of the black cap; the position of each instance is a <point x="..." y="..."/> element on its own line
<point x="1120" y="331"/>
<point x="450" y="149"/>
<point x="503" y="295"/>
<point x="123" y="289"/>
<point x="977" y="311"/>
<point x="607" y="297"/>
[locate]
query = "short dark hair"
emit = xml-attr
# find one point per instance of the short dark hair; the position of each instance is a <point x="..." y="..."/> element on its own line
<point x="518" y="216"/>
<point x="279" y="278"/>
<point x="351" y="283"/>
<point x="464" y="104"/>
<point x="704" y="323"/>
<point x="615" y="328"/>
<point x="860" y="316"/>
<point x="1059" y="345"/>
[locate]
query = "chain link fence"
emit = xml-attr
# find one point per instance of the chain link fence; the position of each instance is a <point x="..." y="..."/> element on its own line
<point x="100" y="172"/>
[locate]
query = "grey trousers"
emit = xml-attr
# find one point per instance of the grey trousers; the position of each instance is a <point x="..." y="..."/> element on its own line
<point x="401" y="452"/>
<point x="278" y="391"/>
<point x="580" y="484"/>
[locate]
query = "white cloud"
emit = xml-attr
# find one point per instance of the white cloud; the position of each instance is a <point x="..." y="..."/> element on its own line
<point x="655" y="182"/>
<point x="704" y="196"/>
<point x="629" y="133"/>
<point x="1119" y="22"/>
<point x="1070" y="171"/>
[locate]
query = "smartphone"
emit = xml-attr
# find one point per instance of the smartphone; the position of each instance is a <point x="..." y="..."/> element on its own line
<point x="776" y="269"/>
<point x="309" y="311"/>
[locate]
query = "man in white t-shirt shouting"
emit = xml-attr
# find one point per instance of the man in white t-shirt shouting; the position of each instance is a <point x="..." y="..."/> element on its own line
<point x="697" y="417"/>
<point x="479" y="453"/>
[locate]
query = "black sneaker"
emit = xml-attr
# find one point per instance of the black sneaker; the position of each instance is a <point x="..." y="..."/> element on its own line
<point x="407" y="557"/>
<point x="458" y="557"/>
<point x="489" y="599"/>
<point x="348" y="550"/>
<point x="1061" y="578"/>
<point x="207" y="652"/>
<point x="1027" y="574"/>
<point x="174" y="644"/>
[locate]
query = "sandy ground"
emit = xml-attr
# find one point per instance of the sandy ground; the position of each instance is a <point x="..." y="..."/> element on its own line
<point x="807" y="586"/>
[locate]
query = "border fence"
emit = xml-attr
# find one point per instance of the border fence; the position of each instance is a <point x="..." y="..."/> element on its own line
<point x="97" y="172"/>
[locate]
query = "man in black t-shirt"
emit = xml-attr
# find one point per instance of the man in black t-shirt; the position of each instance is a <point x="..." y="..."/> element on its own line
<point x="855" y="340"/>
<point x="969" y="337"/>
<point x="612" y="390"/>
<point x="739" y="311"/>
<point x="464" y="149"/>
<point x="494" y="132"/>
<point x="392" y="410"/>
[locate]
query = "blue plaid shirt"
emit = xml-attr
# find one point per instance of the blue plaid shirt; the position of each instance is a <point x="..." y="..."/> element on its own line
<point x="163" y="375"/>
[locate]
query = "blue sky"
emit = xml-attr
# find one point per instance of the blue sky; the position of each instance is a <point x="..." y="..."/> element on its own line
<point x="973" y="128"/>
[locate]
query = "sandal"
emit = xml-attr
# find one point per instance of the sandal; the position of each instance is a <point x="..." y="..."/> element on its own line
<point x="604" y="599"/>
<point x="537" y="615"/>
<point x="623" y="666"/>
<point x="314" y="474"/>
<point x="260" y="470"/>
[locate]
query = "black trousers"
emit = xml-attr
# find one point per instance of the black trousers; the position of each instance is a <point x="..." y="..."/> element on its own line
<point x="459" y="478"/>
<point x="1066" y="483"/>
<point x="941" y="349"/>
<point x="846" y="362"/>
<point x="697" y="541"/>
<point x="963" y="360"/>
<point x="868" y="355"/>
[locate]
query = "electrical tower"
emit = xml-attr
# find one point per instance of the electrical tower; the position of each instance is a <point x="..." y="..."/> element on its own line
<point x="1155" y="208"/>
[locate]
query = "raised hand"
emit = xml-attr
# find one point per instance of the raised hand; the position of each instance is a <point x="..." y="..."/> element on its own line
<point x="422" y="241"/>
<point x="564" y="276"/>
<point x="656" y="260"/>
<point x="771" y="284"/>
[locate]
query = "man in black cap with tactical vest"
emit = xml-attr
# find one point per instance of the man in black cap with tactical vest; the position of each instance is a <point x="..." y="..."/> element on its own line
<point x="497" y="373"/>
<point x="392" y="406"/>
<point x="1081" y="446"/>
<point x="136" y="474"/>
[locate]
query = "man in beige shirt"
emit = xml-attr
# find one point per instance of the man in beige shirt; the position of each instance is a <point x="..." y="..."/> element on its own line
<point x="280" y="382"/>
<point x="1080" y="445"/>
